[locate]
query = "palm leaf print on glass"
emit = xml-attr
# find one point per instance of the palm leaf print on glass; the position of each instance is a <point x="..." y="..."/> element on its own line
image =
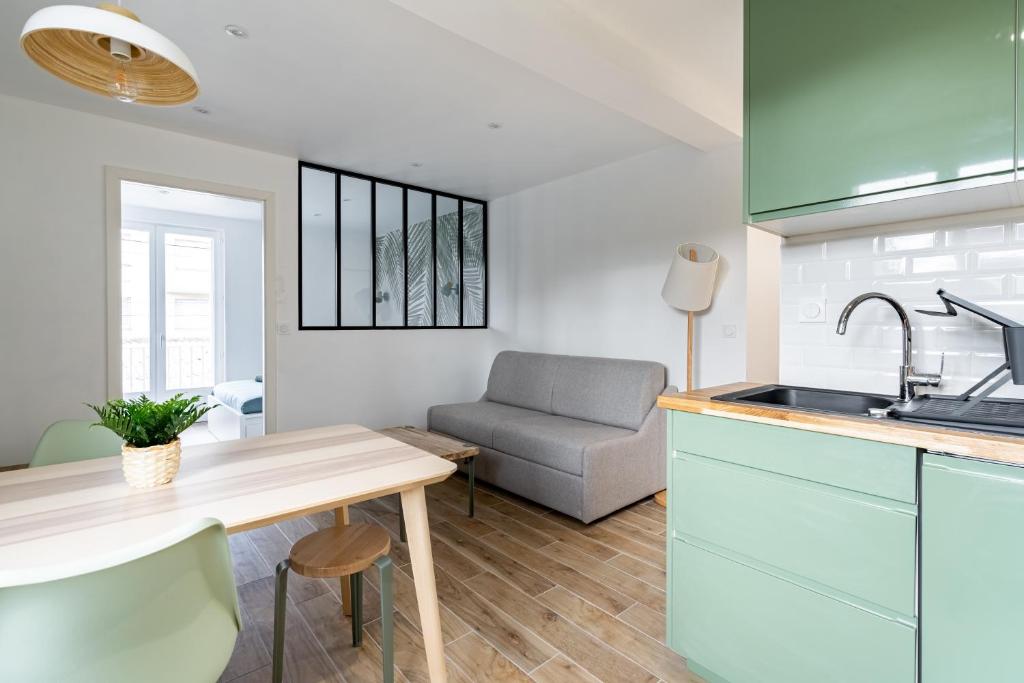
<point x="447" y="256"/>
<point x="472" y="264"/>
<point x="420" y="261"/>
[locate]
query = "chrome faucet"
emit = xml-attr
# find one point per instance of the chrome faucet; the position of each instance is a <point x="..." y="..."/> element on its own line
<point x="909" y="380"/>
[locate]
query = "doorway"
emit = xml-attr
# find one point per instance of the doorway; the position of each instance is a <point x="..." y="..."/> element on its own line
<point x="187" y="299"/>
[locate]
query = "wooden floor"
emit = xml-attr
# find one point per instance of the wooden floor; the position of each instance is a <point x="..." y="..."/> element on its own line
<point x="526" y="594"/>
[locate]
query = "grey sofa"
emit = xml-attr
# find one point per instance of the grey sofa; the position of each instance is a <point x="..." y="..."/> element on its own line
<point x="579" y="435"/>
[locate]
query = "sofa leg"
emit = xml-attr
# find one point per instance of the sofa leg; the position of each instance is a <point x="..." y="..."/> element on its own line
<point x="471" y="474"/>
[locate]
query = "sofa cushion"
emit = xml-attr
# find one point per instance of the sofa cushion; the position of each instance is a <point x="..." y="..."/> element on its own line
<point x="553" y="441"/>
<point x="609" y="391"/>
<point x="474" y="421"/>
<point x="523" y="379"/>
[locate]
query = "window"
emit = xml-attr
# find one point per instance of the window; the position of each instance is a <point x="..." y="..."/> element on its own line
<point x="171" y="314"/>
<point x="376" y="254"/>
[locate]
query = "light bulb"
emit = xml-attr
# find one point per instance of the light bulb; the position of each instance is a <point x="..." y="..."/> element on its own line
<point x="122" y="85"/>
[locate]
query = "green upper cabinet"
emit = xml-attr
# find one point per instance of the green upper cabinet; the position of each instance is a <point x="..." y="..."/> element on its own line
<point x="972" y="571"/>
<point x="854" y="102"/>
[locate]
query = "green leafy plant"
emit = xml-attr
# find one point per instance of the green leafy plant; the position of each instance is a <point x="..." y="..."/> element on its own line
<point x="143" y="423"/>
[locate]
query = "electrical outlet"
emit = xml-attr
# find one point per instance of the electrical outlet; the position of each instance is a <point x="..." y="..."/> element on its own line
<point x="812" y="310"/>
<point x="284" y="328"/>
<point x="729" y="331"/>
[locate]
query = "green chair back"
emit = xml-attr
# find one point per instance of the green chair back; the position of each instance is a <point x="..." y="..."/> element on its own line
<point x="166" y="614"/>
<point x="73" y="440"/>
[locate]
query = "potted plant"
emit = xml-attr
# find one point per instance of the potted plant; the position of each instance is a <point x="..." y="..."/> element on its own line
<point x="151" y="453"/>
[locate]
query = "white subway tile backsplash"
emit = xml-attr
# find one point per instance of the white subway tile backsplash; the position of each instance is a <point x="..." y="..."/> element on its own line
<point x="874" y="359"/>
<point x="826" y="357"/>
<point x="824" y="271"/>
<point x="802" y="253"/>
<point x="1017" y="285"/>
<point x="981" y="261"/>
<point x="851" y="247"/>
<point x="909" y="290"/>
<point x="940" y="263"/>
<point x="968" y="237"/>
<point x="911" y="242"/>
<point x="789" y="273"/>
<point x="870" y="269"/>
<point x="803" y="334"/>
<point x="792" y="294"/>
<point x="989" y="286"/>
<point x="1003" y="259"/>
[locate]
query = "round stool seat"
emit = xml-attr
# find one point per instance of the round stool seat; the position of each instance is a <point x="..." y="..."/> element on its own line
<point x="339" y="550"/>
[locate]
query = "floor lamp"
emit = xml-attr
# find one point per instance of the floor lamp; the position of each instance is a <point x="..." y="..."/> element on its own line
<point x="689" y="286"/>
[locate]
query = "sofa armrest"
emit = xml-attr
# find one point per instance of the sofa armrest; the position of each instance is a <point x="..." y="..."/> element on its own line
<point x="618" y="472"/>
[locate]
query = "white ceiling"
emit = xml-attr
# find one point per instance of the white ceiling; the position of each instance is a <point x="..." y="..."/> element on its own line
<point x="189" y="201"/>
<point x="373" y="86"/>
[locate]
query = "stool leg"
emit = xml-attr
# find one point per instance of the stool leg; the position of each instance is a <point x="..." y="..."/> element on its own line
<point x="280" y="614"/>
<point x="387" y="618"/>
<point x="357" y="608"/>
<point x="401" y="522"/>
<point x="471" y="474"/>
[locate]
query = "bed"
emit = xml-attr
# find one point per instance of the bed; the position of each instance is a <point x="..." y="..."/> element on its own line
<point x="237" y="409"/>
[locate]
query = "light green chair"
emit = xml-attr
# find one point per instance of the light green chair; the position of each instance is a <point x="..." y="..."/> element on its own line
<point x="73" y="440"/>
<point x="166" y="613"/>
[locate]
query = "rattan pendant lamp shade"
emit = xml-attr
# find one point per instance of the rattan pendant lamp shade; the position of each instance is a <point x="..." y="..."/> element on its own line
<point x="82" y="45"/>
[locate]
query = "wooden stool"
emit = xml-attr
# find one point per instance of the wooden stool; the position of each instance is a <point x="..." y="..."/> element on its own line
<point x="334" y="553"/>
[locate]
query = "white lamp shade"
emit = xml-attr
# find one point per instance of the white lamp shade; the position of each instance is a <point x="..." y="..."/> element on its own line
<point x="690" y="284"/>
<point x="72" y="43"/>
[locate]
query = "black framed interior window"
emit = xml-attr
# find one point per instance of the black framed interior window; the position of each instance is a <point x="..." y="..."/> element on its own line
<point x="378" y="254"/>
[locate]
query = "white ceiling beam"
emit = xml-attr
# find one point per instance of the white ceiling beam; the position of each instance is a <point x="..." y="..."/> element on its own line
<point x="554" y="40"/>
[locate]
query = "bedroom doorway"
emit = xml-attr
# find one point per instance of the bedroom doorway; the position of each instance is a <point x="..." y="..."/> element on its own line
<point x="190" y="302"/>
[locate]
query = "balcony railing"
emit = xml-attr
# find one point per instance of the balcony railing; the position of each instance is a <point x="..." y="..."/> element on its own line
<point x="189" y="364"/>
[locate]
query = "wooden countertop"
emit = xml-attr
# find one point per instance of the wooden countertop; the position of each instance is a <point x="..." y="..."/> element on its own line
<point x="994" y="447"/>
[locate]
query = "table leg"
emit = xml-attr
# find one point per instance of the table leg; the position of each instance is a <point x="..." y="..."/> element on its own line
<point x="414" y="502"/>
<point x="471" y="473"/>
<point x="341" y="519"/>
<point x="401" y="522"/>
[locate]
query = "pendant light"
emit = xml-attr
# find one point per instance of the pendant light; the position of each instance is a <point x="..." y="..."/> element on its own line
<point x="108" y="51"/>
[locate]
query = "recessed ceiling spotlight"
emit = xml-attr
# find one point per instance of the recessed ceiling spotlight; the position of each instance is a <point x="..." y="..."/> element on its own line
<point x="164" y="190"/>
<point x="416" y="164"/>
<point x="236" y="31"/>
<point x="494" y="125"/>
<point x="201" y="110"/>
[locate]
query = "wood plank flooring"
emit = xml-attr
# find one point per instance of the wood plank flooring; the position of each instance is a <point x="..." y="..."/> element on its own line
<point x="527" y="594"/>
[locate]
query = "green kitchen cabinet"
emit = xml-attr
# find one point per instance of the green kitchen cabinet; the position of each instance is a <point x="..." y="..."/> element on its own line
<point x="745" y="626"/>
<point x="972" y="571"/>
<point x="792" y="555"/>
<point x="855" y="102"/>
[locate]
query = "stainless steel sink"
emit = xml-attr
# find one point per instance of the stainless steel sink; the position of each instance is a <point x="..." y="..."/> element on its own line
<point x="805" y="398"/>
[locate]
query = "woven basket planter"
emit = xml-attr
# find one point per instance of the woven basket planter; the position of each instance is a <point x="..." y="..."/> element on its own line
<point x="145" y="468"/>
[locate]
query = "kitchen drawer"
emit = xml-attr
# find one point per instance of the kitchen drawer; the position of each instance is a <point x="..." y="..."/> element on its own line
<point x="871" y="467"/>
<point x="860" y="545"/>
<point x="746" y="626"/>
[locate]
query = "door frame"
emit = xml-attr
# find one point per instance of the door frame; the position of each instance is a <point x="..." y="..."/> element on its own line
<point x="113" y="176"/>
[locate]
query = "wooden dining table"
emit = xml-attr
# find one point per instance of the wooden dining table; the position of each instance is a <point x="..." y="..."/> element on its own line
<point x="68" y="519"/>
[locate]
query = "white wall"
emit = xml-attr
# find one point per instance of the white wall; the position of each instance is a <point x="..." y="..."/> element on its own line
<point x="589" y="254"/>
<point x="979" y="257"/>
<point x="52" y="279"/>
<point x="243" y="278"/>
<point x="763" y="270"/>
